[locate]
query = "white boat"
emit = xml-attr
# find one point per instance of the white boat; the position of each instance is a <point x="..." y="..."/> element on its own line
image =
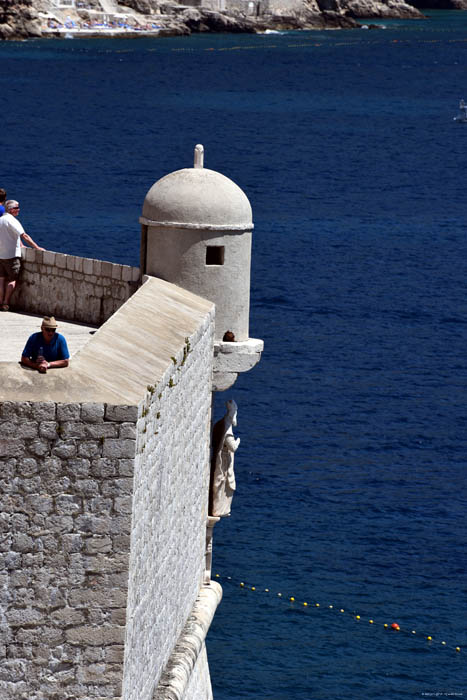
<point x="462" y="116"/>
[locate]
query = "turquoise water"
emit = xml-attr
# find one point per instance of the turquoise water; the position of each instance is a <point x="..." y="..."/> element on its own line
<point x="351" y="470"/>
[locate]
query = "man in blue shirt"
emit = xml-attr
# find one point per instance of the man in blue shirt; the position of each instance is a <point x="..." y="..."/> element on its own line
<point x="2" y="201"/>
<point x="46" y="349"/>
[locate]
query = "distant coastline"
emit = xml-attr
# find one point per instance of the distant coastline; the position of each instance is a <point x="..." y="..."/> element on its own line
<point x="160" y="18"/>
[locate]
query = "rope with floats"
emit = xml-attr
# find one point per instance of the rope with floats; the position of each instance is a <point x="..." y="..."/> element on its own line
<point x="305" y="605"/>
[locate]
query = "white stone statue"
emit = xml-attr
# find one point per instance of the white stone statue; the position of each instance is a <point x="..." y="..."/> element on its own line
<point x="224" y="446"/>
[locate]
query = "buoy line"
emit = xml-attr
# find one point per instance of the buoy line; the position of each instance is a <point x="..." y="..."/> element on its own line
<point x="308" y="605"/>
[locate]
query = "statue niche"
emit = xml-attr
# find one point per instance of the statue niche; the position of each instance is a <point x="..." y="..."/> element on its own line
<point x="224" y="446"/>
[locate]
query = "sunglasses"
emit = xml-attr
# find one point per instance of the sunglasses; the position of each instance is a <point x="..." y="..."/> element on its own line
<point x="49" y="330"/>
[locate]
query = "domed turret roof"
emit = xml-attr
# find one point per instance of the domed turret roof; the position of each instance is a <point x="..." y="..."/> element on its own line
<point x="198" y="198"/>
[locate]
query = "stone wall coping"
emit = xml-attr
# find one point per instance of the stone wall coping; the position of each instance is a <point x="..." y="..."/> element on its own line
<point x="130" y="351"/>
<point x="75" y="262"/>
<point x="177" y="673"/>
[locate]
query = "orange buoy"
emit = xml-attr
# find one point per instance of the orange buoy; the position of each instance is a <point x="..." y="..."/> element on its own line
<point x="395" y="626"/>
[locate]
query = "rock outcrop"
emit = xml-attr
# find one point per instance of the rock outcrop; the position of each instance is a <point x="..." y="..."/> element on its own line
<point x="35" y="18"/>
<point x="19" y="20"/>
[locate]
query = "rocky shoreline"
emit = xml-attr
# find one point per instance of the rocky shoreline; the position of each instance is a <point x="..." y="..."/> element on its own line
<point x="41" y="18"/>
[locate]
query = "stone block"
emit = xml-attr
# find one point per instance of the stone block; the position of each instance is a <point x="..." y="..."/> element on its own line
<point x="95" y="636"/>
<point x="67" y="505"/>
<point x="127" y="273"/>
<point x="68" y="617"/>
<point x="48" y="430"/>
<point x="68" y="412"/>
<point x="93" y="524"/>
<point x="96" y="268"/>
<point x="101" y="598"/>
<point x="49" y="257"/>
<point x="106" y="269"/>
<point x="121" y="414"/>
<point x="24" y="617"/>
<point x="22" y="543"/>
<point x="11" y="447"/>
<point x="87" y="487"/>
<point x="79" y="467"/>
<point x="90" y="448"/>
<point x="92" y="412"/>
<point x="116" y="272"/>
<point x="98" y="545"/>
<point x="26" y="429"/>
<point x="88" y="266"/>
<point x="119" y="448"/>
<point x="43" y="411"/>
<point x="104" y="468"/>
<point x="72" y="543"/>
<point x="126" y="467"/>
<point x="72" y="429"/>
<point x="123" y="505"/>
<point x="102" y="430"/>
<point x="16" y="409"/>
<point x="39" y="503"/>
<point x="60" y="261"/>
<point x="64" y="450"/>
<point x="70" y="262"/>
<point x="117" y="487"/>
<point x="127" y="430"/>
<point x="28" y="254"/>
<point x="39" y="447"/>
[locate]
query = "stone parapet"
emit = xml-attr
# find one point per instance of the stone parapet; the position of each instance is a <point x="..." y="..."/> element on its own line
<point x="74" y="288"/>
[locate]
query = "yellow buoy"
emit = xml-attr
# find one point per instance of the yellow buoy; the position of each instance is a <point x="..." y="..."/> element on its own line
<point x="430" y="638"/>
<point x="371" y="622"/>
<point x="242" y="584"/>
<point x="305" y="604"/>
<point x="357" y="617"/>
<point x="292" y="599"/>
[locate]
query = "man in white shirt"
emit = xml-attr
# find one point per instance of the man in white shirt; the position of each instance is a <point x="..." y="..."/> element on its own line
<point x="11" y="236"/>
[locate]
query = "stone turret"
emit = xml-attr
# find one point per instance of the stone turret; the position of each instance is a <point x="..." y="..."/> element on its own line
<point x="196" y="233"/>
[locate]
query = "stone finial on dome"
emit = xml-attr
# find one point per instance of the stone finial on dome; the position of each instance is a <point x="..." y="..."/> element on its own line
<point x="199" y="156"/>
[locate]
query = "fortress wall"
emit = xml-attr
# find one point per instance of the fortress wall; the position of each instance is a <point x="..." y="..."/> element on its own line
<point x="73" y="288"/>
<point x="169" y="516"/>
<point x="103" y="509"/>
<point x="66" y="484"/>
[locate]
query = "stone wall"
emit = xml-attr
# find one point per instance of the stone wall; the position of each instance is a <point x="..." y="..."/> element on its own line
<point x="103" y="513"/>
<point x="65" y="504"/>
<point x="169" y="512"/>
<point x="70" y="287"/>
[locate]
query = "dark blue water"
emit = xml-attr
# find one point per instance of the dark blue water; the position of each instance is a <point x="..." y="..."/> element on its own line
<point x="351" y="471"/>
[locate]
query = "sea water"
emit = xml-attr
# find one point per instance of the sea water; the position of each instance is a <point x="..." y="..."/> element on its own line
<point x="352" y="466"/>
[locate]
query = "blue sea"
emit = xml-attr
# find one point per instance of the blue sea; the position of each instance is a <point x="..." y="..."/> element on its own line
<point x="352" y="465"/>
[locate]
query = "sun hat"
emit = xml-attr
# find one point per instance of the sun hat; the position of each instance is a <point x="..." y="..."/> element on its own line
<point x="49" y="322"/>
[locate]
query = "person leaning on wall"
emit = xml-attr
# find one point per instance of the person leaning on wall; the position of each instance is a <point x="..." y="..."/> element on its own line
<point x="47" y="349"/>
<point x="12" y="235"/>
